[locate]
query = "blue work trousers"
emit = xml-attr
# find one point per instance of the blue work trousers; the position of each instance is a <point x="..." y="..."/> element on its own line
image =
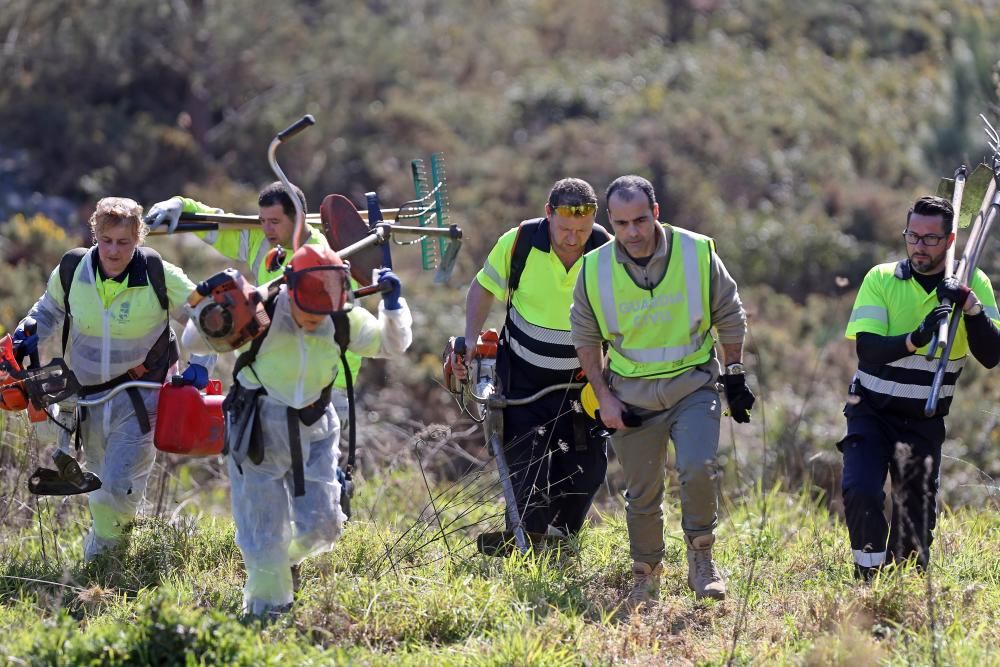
<point x="908" y="451"/>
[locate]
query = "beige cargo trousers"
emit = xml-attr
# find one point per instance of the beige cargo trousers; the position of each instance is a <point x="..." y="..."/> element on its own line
<point x="692" y="424"/>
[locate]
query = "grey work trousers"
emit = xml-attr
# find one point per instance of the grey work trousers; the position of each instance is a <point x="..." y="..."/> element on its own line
<point x="693" y="426"/>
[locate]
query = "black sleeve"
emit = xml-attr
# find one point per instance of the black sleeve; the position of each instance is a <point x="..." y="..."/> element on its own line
<point x="879" y="350"/>
<point x="984" y="339"/>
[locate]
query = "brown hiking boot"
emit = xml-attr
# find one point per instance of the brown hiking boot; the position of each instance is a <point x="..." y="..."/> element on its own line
<point x="704" y="577"/>
<point x="645" y="585"/>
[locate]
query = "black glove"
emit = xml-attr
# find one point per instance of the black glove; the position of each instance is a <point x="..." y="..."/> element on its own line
<point x="953" y="291"/>
<point x="738" y="396"/>
<point x="923" y="334"/>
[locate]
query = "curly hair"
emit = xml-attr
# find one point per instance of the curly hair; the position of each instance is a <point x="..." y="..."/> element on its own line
<point x="114" y="211"/>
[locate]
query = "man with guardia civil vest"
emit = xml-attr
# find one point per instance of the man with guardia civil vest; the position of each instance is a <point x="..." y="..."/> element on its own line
<point x="653" y="296"/>
<point x="277" y="223"/>
<point x="895" y="315"/>
<point x="556" y="457"/>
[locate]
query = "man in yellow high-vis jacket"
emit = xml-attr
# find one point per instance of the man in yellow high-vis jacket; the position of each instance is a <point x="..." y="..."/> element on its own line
<point x="557" y="458"/>
<point x="895" y="315"/>
<point x="652" y="296"/>
<point x="277" y="224"/>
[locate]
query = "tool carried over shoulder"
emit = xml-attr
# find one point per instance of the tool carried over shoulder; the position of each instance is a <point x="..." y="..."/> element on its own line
<point x="965" y="271"/>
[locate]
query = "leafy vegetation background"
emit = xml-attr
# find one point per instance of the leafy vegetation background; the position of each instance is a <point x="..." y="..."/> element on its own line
<point x="796" y="133"/>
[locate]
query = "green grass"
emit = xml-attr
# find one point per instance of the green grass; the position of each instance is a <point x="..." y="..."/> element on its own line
<point x="392" y="592"/>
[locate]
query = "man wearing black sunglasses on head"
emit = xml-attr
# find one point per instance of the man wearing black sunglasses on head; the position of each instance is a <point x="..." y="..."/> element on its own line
<point x="896" y="312"/>
<point x="556" y="463"/>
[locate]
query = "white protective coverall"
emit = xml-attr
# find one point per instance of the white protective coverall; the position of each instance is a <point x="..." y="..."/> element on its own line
<point x="275" y="529"/>
<point x="113" y="327"/>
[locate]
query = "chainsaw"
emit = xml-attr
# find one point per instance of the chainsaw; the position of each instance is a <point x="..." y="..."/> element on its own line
<point x="35" y="389"/>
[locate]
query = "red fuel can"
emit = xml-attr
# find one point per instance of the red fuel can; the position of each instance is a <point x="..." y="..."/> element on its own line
<point x="189" y="422"/>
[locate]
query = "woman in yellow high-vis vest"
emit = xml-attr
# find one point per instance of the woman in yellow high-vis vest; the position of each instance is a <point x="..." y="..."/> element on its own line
<point x="115" y="322"/>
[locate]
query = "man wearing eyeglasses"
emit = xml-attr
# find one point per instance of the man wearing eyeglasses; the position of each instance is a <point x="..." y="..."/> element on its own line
<point x="895" y="315"/>
<point x="653" y="296"/>
<point x="556" y="456"/>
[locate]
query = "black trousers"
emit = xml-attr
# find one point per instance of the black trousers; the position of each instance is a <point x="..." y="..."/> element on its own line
<point x="909" y="451"/>
<point x="556" y="465"/>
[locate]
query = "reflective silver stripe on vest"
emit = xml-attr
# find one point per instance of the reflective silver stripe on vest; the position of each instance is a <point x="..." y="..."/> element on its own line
<point x="917" y="362"/>
<point x="662" y="354"/>
<point x="539" y="361"/>
<point x="870" y="313"/>
<point x="245" y="247"/>
<point x="692" y="282"/>
<point x="265" y="246"/>
<point x="605" y="278"/>
<point x="212" y="236"/>
<point x="900" y="390"/>
<point x="493" y="275"/>
<point x="542" y="334"/>
<point x="992" y="312"/>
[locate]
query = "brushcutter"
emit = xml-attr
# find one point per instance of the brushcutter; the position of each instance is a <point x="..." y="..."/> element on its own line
<point x="974" y="246"/>
<point x="33" y="388"/>
<point x="967" y="195"/>
<point x="345" y="226"/>
<point x="940" y="338"/>
<point x="482" y="400"/>
<point x="36" y="388"/>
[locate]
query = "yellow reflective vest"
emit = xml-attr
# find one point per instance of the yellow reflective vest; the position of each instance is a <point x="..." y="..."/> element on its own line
<point x="891" y="302"/>
<point x="658" y="332"/>
<point x="536" y="332"/>
<point x="113" y="325"/>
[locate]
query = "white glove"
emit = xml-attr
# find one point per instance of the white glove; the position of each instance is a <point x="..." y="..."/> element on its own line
<point x="168" y="211"/>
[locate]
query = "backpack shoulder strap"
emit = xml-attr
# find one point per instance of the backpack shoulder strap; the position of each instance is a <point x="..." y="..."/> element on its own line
<point x="270" y="302"/>
<point x="67" y="269"/>
<point x="154" y="269"/>
<point x="520" y="252"/>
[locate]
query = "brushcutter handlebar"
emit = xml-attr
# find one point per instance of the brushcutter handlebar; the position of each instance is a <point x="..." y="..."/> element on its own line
<point x="375" y="220"/>
<point x="374" y="288"/>
<point x="272" y="159"/>
<point x="135" y="384"/>
<point x="296" y="127"/>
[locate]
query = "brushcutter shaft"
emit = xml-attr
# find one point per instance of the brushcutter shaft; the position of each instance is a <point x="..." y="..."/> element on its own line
<point x="973" y="249"/>
<point x="940" y="339"/>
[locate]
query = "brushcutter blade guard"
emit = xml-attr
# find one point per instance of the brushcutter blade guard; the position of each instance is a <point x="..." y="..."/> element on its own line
<point x="343" y="226"/>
